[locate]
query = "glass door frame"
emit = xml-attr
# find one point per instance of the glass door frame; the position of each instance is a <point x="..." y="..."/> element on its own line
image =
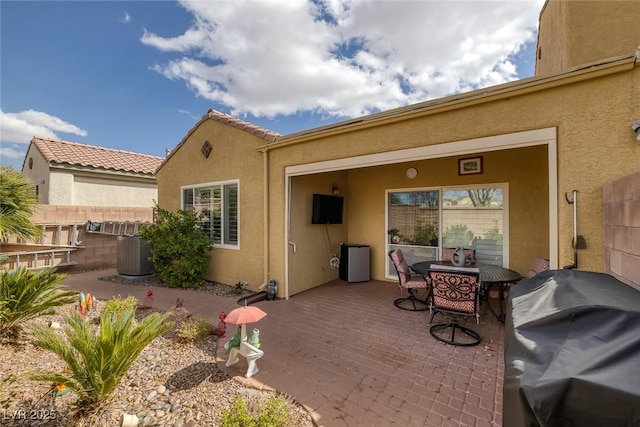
<point x="389" y="270"/>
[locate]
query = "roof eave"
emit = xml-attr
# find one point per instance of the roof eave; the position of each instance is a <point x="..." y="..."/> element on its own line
<point x="101" y="171"/>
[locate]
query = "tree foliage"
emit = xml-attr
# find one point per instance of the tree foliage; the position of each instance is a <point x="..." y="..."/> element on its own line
<point x="458" y="235"/>
<point x="482" y="196"/>
<point x="28" y="294"/>
<point x="17" y="205"/>
<point x="179" y="248"/>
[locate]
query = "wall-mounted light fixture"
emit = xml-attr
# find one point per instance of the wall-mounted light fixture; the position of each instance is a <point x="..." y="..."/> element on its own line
<point x="636" y="128"/>
<point x="334" y="189"/>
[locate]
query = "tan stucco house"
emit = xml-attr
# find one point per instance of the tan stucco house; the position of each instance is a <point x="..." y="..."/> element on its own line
<point x="493" y="168"/>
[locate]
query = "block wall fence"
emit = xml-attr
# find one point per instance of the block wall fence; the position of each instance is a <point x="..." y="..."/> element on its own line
<point x="95" y="250"/>
<point x="621" y="200"/>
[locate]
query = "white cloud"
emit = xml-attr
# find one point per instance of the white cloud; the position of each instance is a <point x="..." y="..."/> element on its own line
<point x="126" y="18"/>
<point x="20" y="127"/>
<point x="344" y="57"/>
<point x="188" y="113"/>
<point x="10" y="153"/>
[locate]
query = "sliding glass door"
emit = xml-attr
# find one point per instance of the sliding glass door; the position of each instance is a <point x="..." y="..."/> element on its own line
<point x="423" y="221"/>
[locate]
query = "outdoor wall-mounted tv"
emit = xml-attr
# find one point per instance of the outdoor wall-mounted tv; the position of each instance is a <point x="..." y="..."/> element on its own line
<point x="327" y="209"/>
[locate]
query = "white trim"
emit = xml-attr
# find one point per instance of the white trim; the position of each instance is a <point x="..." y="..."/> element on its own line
<point x="544" y="136"/>
<point x="552" y="156"/>
<point x="204" y="184"/>
<point x="287" y="234"/>
<point x="504" y="186"/>
<point x="222" y="184"/>
<point x="478" y="145"/>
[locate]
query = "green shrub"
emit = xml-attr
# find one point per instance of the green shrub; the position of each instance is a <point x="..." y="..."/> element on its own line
<point x="273" y="413"/>
<point x="28" y="294"/>
<point x="424" y="234"/>
<point x="237" y="416"/>
<point x="194" y="328"/>
<point x="116" y="305"/>
<point x="457" y="235"/>
<point x="240" y="286"/>
<point x="100" y="357"/>
<point x="179" y="248"/>
<point x="494" y="234"/>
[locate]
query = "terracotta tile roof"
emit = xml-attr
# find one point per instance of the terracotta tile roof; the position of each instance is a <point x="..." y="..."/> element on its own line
<point x="241" y="124"/>
<point x="266" y="134"/>
<point x="73" y="153"/>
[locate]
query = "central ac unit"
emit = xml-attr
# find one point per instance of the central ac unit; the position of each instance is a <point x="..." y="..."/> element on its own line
<point x="133" y="256"/>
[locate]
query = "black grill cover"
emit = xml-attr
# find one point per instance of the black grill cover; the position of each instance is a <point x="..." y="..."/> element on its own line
<point x="572" y="352"/>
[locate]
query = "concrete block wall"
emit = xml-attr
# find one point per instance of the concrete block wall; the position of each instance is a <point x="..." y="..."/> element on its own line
<point x="95" y="250"/>
<point x="621" y="209"/>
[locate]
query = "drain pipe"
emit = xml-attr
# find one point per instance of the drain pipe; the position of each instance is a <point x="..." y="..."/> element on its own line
<point x="265" y="225"/>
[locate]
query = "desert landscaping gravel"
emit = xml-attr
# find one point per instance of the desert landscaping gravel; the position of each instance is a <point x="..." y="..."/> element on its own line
<point x="172" y="384"/>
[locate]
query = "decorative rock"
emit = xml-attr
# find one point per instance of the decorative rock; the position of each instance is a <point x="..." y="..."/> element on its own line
<point x="161" y="389"/>
<point x="151" y="396"/>
<point x="148" y="420"/>
<point x="178" y="315"/>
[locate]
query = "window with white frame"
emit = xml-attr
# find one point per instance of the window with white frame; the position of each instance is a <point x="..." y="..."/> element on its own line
<point x="217" y="203"/>
<point x="423" y="221"/>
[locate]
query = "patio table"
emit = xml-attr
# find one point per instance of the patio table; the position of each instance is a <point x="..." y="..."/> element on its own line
<point x="490" y="276"/>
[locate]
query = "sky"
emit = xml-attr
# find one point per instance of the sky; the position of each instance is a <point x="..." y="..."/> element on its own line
<point x="138" y="75"/>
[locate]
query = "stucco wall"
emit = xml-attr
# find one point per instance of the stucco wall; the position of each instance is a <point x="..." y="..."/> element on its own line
<point x="91" y="191"/>
<point x="60" y="188"/>
<point x="621" y="205"/>
<point x="233" y="156"/>
<point x="87" y="189"/>
<point x="595" y="144"/>
<point x="574" y="33"/>
<point x="309" y="259"/>
<point x="38" y="173"/>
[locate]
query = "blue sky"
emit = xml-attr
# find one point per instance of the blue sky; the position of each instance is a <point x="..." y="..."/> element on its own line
<point x="138" y="75"/>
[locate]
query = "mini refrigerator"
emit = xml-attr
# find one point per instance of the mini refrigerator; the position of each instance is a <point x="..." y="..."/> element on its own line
<point x="355" y="263"/>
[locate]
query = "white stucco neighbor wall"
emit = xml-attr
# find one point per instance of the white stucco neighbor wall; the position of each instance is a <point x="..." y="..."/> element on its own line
<point x="90" y="191"/>
<point x="68" y="189"/>
<point x="38" y="173"/>
<point x="60" y="188"/>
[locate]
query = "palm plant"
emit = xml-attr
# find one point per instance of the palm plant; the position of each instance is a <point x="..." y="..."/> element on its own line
<point x="17" y="204"/>
<point x="97" y="358"/>
<point x="28" y="294"/>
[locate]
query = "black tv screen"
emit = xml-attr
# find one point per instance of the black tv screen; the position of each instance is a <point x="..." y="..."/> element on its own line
<point x="327" y="209"/>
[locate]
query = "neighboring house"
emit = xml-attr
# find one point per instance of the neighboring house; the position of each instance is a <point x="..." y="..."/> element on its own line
<point x="88" y="196"/>
<point x="517" y="151"/>
<point x="68" y="173"/>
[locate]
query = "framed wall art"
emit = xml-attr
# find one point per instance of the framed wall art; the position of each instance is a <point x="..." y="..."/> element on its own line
<point x="470" y="165"/>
